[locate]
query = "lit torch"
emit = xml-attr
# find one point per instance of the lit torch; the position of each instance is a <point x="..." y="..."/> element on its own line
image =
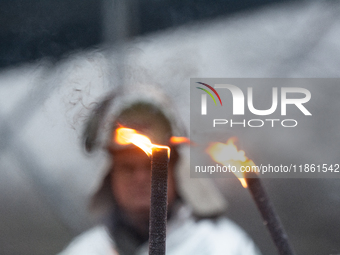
<point x="160" y="156"/>
<point x="228" y="155"/>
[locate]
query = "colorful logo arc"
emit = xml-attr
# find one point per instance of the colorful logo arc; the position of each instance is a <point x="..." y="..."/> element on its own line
<point x="207" y="91"/>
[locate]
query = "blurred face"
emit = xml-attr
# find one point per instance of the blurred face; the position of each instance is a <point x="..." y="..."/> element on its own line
<point x="131" y="183"/>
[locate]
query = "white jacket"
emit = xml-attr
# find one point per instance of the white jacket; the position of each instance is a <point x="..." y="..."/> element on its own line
<point x="185" y="236"/>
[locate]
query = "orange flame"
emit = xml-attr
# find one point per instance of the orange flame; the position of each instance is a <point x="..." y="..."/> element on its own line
<point x="125" y="136"/>
<point x="228" y="154"/>
<point x="179" y="140"/>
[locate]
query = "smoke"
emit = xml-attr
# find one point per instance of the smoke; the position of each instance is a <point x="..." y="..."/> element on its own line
<point x="84" y="81"/>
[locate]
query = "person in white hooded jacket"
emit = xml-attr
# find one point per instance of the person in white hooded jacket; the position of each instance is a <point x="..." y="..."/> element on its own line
<point x="196" y="222"/>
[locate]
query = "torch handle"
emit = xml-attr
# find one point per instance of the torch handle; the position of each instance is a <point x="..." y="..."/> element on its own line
<point x="271" y="220"/>
<point x="158" y="209"/>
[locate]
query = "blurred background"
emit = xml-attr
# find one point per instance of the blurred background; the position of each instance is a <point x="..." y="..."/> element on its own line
<point x="58" y="58"/>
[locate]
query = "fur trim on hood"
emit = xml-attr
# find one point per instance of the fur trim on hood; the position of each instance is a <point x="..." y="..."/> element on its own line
<point x="199" y="193"/>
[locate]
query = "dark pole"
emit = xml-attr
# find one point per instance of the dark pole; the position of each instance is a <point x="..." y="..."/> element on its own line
<point x="158" y="209"/>
<point x="271" y="219"/>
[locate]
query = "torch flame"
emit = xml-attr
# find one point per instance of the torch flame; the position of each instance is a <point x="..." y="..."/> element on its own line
<point x="125" y="136"/>
<point x="228" y="154"/>
<point x="179" y="140"/>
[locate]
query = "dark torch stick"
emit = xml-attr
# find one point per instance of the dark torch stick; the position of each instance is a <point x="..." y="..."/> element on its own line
<point x="160" y="156"/>
<point x="228" y="154"/>
<point x="271" y="219"/>
<point x="158" y="209"/>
